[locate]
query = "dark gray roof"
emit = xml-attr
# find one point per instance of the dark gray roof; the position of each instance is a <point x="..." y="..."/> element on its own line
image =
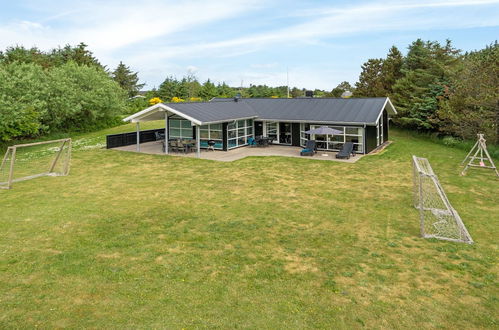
<point x="338" y="110"/>
<point x="312" y="110"/>
<point x="208" y="112"/>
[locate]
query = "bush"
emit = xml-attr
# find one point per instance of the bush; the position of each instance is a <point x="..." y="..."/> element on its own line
<point x="37" y="101"/>
<point x="23" y="90"/>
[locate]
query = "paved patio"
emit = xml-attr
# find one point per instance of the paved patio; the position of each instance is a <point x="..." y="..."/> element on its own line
<point x="239" y="153"/>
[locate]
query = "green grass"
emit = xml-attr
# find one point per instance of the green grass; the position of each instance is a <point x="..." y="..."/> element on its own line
<point x="142" y="241"/>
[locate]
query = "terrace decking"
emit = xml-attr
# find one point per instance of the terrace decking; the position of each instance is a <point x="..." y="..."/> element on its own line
<point x="155" y="147"/>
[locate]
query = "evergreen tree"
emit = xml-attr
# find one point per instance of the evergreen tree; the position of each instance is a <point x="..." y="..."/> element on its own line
<point x="168" y="88"/>
<point x="472" y="105"/>
<point x="370" y="80"/>
<point x="127" y="79"/>
<point x="391" y="70"/>
<point x="340" y="89"/>
<point x="208" y="90"/>
<point x="425" y="68"/>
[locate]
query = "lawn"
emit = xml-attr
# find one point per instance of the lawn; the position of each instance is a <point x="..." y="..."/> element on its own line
<point x="148" y="241"/>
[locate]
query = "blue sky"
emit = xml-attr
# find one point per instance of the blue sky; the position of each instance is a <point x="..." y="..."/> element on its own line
<point x="320" y="43"/>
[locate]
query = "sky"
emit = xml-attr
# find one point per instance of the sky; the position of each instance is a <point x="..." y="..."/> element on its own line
<point x="313" y="44"/>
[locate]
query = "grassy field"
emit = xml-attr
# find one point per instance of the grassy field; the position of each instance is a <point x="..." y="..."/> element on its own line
<point x="141" y="241"/>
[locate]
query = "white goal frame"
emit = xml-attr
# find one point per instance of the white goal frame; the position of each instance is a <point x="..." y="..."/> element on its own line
<point x="438" y="219"/>
<point x="65" y="146"/>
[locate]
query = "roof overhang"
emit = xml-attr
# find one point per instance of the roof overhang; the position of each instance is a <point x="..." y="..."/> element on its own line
<point x="152" y="112"/>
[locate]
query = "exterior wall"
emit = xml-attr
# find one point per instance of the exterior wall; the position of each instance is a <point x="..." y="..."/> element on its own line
<point x="370" y="138"/>
<point x="385" y="125"/>
<point x="295" y="134"/>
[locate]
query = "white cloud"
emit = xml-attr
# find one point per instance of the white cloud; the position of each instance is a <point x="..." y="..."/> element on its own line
<point x="334" y="22"/>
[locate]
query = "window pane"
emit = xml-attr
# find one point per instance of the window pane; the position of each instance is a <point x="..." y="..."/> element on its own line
<point x="353" y="130"/>
<point x="338" y="138"/>
<point x="249" y="122"/>
<point x="204" y="135"/>
<point x="249" y="131"/>
<point x="186" y="124"/>
<point x="232" y="143"/>
<point x="240" y="123"/>
<point x="240" y="132"/>
<point x="241" y="141"/>
<point x="231" y="126"/>
<point x="354" y="139"/>
<point x="232" y="134"/>
<point x="174" y="132"/>
<point x="187" y="134"/>
<point x="216" y="134"/>
<point x="216" y="127"/>
<point x="204" y="127"/>
<point x="174" y="123"/>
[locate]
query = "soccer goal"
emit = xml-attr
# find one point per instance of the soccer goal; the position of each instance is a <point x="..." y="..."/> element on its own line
<point x="438" y="219"/>
<point x="32" y="160"/>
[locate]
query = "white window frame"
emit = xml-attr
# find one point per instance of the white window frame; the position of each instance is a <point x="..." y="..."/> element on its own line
<point x="248" y="132"/>
<point x="208" y="128"/>
<point x="182" y="129"/>
<point x="329" y="141"/>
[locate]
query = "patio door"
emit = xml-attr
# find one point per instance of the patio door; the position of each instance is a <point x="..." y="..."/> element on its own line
<point x="273" y="130"/>
<point x="285" y="133"/>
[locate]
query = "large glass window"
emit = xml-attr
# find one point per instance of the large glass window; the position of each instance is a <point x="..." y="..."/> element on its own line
<point x="238" y="133"/>
<point x="180" y="128"/>
<point x="334" y="142"/>
<point x="211" y="132"/>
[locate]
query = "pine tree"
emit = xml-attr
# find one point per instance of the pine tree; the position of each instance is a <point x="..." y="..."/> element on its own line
<point x="391" y="70"/>
<point x="127" y="79"/>
<point x="208" y="90"/>
<point x="425" y="80"/>
<point x="370" y="83"/>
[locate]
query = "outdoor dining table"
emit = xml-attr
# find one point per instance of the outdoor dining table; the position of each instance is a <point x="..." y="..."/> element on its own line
<point x="263" y="141"/>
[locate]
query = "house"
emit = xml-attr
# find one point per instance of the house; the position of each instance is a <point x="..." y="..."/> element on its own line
<point x="232" y="122"/>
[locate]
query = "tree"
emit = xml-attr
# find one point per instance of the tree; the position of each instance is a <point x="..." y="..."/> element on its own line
<point x="391" y="70"/>
<point x="425" y="77"/>
<point x="208" y="90"/>
<point x="340" y="89"/>
<point x="472" y="104"/>
<point x="127" y="79"/>
<point x="168" y="88"/>
<point x="370" y="83"/>
<point x="23" y="91"/>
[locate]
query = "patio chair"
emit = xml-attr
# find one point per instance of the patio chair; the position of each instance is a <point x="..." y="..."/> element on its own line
<point x="182" y="147"/>
<point x="173" y="146"/>
<point x="346" y="151"/>
<point x="310" y="149"/>
<point x="251" y="142"/>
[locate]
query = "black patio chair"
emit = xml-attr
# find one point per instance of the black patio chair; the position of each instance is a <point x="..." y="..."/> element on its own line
<point x="346" y="151"/>
<point x="310" y="149"/>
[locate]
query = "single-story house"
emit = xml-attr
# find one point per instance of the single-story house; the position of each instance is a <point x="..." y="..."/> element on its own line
<point x="231" y="122"/>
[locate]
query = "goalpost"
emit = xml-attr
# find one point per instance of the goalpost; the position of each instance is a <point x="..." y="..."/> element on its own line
<point x="438" y="219"/>
<point x="32" y="160"/>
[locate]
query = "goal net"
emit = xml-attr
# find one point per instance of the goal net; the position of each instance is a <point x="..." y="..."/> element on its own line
<point x="27" y="161"/>
<point x="438" y="219"/>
